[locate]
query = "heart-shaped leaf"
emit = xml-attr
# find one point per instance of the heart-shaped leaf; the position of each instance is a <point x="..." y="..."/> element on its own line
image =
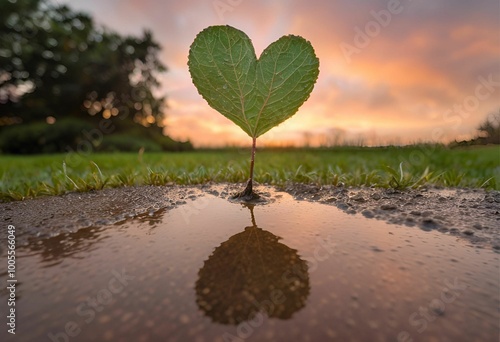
<point x="255" y="94"/>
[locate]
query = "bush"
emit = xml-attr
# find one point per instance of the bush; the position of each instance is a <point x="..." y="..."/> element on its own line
<point x="67" y="134"/>
<point x="43" y="138"/>
<point x="154" y="134"/>
<point x="489" y="133"/>
<point x="127" y="143"/>
<point x="489" y="130"/>
<point x="168" y="144"/>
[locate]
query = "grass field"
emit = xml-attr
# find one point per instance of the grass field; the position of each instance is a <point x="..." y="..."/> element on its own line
<point x="398" y="167"/>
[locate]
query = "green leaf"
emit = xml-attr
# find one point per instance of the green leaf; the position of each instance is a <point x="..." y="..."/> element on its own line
<point x="255" y="94"/>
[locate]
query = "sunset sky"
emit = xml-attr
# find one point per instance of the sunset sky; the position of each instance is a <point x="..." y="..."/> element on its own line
<point x="390" y="71"/>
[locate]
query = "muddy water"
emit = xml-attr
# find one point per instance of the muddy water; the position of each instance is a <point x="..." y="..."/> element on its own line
<point x="212" y="270"/>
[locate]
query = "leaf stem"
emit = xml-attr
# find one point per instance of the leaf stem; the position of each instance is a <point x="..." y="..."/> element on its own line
<point x="252" y="160"/>
<point x="248" y="193"/>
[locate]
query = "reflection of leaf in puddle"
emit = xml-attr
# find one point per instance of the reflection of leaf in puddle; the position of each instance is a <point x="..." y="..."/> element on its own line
<point x="251" y="272"/>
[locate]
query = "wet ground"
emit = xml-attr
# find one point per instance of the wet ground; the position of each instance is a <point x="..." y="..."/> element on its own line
<point x="470" y="214"/>
<point x="200" y="268"/>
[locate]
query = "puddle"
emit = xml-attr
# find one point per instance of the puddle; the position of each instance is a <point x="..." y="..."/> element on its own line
<point x="211" y="270"/>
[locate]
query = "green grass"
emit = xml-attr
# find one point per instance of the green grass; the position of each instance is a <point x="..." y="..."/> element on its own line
<point x="408" y="167"/>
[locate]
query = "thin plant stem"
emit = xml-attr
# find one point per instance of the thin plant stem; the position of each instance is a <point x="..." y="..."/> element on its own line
<point x="252" y="160"/>
<point x="248" y="192"/>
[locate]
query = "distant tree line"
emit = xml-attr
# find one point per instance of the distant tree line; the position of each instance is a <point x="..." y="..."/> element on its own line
<point x="488" y="132"/>
<point x="63" y="77"/>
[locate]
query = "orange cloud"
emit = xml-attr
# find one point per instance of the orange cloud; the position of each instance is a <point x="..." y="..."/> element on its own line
<point x="403" y="86"/>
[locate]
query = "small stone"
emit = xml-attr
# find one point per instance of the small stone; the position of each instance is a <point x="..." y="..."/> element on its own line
<point x="367" y="213"/>
<point x="342" y="206"/>
<point x="416" y="212"/>
<point x="429" y="223"/>
<point x="375" y="196"/>
<point x="468" y="232"/>
<point x="388" y="206"/>
<point x="358" y="198"/>
<point x="477" y="226"/>
<point x="437" y="307"/>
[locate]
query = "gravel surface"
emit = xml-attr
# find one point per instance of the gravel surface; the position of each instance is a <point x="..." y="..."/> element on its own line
<point x="471" y="214"/>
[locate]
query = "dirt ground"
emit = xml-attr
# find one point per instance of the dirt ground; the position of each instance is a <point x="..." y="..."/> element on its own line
<point x="471" y="214"/>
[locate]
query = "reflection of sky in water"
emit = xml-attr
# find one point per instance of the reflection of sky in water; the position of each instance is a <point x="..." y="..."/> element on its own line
<point x="193" y="271"/>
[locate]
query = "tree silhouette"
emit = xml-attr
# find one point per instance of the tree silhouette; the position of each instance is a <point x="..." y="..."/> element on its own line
<point x="56" y="64"/>
<point x="489" y="130"/>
